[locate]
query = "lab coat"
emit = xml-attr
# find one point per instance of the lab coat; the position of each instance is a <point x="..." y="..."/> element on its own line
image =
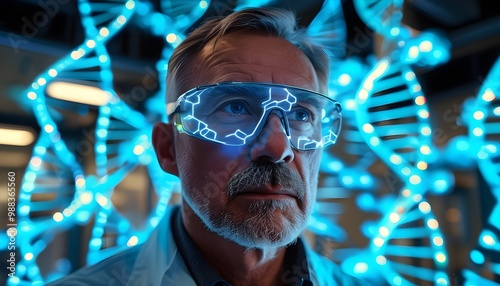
<point x="158" y="262"/>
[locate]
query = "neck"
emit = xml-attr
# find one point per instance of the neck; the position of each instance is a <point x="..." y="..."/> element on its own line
<point x="238" y="265"/>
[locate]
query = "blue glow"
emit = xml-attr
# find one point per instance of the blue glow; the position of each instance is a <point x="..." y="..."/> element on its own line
<point x="366" y="201"/>
<point x="242" y="4"/>
<point x="462" y="145"/>
<point x="82" y="216"/>
<point x="347" y="180"/>
<point x="428" y="49"/>
<point x="483" y="135"/>
<point x="28" y="186"/>
<point x="360" y="267"/>
<point x="335" y="166"/>
<point x="24" y="210"/>
<point x="96" y="242"/>
<point x="383" y="126"/>
<point x="441" y="185"/>
<point x="477" y="257"/>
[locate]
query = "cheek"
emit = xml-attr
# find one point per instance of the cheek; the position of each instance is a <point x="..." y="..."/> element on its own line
<point x="308" y="163"/>
<point x="205" y="167"/>
<point x="309" y="168"/>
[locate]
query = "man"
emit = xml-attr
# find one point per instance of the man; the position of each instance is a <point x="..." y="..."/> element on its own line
<point x="247" y="127"/>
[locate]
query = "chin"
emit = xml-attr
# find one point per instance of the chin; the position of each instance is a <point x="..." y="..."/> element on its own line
<point x="266" y="224"/>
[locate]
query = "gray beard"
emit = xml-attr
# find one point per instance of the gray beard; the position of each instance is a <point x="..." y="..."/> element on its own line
<point x="266" y="223"/>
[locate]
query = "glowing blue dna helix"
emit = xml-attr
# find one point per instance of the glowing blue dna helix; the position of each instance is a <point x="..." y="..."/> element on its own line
<point x="54" y="195"/>
<point x="50" y="184"/>
<point x="123" y="140"/>
<point x="121" y="148"/>
<point x="352" y="175"/>
<point x="393" y="118"/>
<point x="349" y="173"/>
<point x="383" y="16"/>
<point x="328" y="28"/>
<point x="482" y="116"/>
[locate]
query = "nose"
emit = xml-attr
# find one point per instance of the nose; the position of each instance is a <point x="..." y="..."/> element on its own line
<point x="272" y="144"/>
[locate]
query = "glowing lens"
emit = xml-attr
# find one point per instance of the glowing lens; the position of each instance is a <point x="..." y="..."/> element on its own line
<point x="235" y="113"/>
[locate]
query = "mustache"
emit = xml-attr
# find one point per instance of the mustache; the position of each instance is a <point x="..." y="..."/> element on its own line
<point x="264" y="174"/>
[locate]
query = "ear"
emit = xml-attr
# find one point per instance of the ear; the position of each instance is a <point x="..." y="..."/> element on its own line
<point x="163" y="142"/>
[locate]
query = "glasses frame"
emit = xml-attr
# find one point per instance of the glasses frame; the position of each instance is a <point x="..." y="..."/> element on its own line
<point x="180" y="99"/>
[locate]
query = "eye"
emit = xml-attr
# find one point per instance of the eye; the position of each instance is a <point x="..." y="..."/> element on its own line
<point x="300" y="114"/>
<point x="235" y="107"/>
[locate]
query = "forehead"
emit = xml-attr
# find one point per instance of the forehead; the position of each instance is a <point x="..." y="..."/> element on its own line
<point x="253" y="57"/>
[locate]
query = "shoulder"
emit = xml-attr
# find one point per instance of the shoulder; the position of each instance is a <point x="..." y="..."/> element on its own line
<point x="143" y="264"/>
<point x="324" y="271"/>
<point x="114" y="270"/>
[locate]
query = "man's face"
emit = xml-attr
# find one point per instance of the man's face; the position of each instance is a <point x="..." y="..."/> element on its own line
<point x="260" y="194"/>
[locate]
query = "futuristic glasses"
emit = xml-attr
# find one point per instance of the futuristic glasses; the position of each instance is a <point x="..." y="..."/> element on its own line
<point x="234" y="113"/>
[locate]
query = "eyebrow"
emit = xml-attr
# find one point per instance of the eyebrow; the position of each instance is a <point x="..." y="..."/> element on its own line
<point x="313" y="99"/>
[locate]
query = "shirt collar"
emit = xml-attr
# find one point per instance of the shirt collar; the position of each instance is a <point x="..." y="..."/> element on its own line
<point x="296" y="266"/>
<point x="198" y="267"/>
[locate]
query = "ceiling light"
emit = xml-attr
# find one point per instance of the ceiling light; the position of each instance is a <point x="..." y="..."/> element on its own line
<point x="17" y="136"/>
<point x="79" y="93"/>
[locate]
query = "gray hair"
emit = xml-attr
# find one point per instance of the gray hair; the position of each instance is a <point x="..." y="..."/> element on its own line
<point x="276" y="22"/>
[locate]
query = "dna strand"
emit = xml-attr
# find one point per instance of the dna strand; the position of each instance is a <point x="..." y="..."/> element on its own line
<point x="394" y="119"/>
<point x="407" y="247"/>
<point x="123" y="140"/>
<point x="328" y="29"/>
<point x="243" y="4"/>
<point x="54" y="194"/>
<point x="347" y="177"/>
<point x="350" y="171"/>
<point x="384" y="17"/>
<point x="482" y="116"/>
<point x="171" y="24"/>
